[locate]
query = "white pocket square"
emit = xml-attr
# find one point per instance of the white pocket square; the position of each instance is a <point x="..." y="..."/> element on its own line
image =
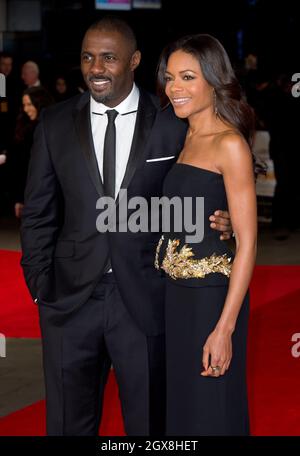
<point x="160" y="159"/>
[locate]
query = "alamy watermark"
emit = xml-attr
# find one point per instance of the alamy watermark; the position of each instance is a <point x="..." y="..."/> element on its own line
<point x="296" y="347"/>
<point x="2" y="86"/>
<point x="296" y="87"/>
<point x="2" y="346"/>
<point x="159" y="214"/>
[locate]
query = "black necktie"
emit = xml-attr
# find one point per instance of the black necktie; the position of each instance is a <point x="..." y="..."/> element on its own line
<point x="109" y="155"/>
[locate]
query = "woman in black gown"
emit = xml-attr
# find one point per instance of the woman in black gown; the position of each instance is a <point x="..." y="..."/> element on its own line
<point x="207" y="287"/>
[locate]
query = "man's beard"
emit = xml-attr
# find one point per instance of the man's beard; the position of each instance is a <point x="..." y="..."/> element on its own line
<point x="99" y="98"/>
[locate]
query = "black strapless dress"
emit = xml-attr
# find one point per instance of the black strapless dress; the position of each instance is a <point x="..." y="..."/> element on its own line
<point x="197" y="284"/>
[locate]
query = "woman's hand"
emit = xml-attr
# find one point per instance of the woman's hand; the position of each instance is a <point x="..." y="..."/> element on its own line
<point x="217" y="353"/>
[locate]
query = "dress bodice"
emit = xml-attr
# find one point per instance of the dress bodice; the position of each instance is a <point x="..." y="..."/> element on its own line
<point x="187" y="260"/>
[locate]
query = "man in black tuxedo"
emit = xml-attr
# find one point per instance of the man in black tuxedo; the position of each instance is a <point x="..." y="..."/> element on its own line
<point x="100" y="298"/>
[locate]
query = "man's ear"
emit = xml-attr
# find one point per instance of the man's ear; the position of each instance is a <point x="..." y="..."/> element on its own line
<point x="135" y="60"/>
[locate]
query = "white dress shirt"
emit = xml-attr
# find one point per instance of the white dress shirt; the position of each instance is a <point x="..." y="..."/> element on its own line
<point x="125" y="123"/>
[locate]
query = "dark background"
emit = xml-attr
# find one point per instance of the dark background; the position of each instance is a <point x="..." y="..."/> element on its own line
<point x="267" y="28"/>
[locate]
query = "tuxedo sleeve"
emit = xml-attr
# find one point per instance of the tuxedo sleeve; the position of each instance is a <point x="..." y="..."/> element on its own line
<point x="41" y="214"/>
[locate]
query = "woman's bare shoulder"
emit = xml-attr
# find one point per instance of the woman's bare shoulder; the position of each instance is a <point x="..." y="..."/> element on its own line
<point x="231" y="148"/>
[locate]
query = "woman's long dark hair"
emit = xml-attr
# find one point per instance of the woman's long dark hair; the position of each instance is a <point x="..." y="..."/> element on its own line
<point x="40" y="98"/>
<point x="218" y="73"/>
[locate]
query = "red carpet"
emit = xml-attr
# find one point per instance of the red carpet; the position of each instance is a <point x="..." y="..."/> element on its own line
<point x="18" y="313"/>
<point x="273" y="373"/>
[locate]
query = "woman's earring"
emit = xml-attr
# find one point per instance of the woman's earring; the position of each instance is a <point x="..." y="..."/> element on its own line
<point x="215" y="103"/>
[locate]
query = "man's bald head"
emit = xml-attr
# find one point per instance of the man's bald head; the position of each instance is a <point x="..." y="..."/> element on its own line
<point x="30" y="73"/>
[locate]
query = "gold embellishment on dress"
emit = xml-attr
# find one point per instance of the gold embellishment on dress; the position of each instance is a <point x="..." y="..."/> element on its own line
<point x="181" y="265"/>
<point x="156" y="263"/>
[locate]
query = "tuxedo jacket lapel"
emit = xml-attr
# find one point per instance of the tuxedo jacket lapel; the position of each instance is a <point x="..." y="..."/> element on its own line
<point x="82" y="119"/>
<point x="144" y="122"/>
